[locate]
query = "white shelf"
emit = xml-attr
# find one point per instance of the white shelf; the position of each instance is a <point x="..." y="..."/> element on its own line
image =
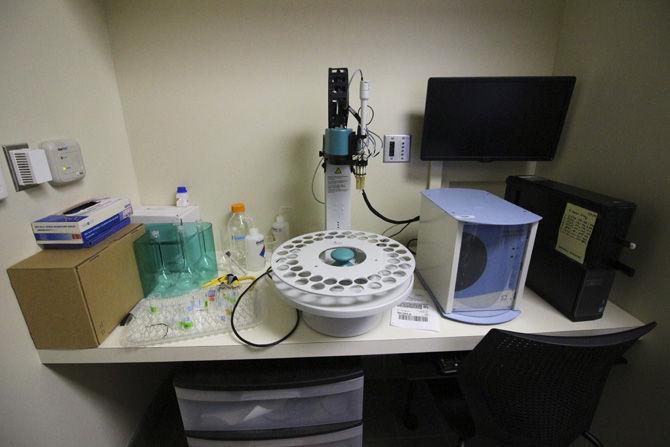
<point x="537" y="316"/>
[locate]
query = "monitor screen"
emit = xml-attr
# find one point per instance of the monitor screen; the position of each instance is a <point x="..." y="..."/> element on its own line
<point x="495" y="118"/>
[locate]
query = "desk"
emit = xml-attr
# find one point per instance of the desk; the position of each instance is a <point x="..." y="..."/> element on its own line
<point x="537" y="316"/>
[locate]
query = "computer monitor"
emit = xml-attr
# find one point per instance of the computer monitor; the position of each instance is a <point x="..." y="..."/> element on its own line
<point x="495" y="118"/>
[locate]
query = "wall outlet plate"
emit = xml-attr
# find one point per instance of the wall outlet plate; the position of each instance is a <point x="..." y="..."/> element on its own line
<point x="29" y="167"/>
<point x="397" y="148"/>
<point x="3" y="186"/>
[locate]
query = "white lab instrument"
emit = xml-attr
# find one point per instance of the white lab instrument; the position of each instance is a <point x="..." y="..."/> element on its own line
<point x="29" y="167"/>
<point x="3" y="187"/>
<point x="65" y="160"/>
<point x="473" y="250"/>
<point x="342" y="280"/>
<point x="338" y="197"/>
<point x="254" y="244"/>
<point x="345" y="151"/>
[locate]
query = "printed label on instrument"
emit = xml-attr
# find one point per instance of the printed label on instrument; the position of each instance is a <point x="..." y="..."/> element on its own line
<point x="338" y="183"/>
<point x="575" y="231"/>
<point x="416" y="312"/>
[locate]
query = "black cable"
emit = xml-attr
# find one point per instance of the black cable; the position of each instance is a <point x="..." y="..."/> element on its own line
<point x="356" y="115"/>
<point x="400" y="230"/>
<point x="244" y="340"/>
<point x="408" y="244"/>
<point x="384" y="218"/>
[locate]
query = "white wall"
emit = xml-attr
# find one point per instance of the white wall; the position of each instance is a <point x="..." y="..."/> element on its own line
<point x="616" y="142"/>
<point x="229" y="97"/>
<point x="57" y="80"/>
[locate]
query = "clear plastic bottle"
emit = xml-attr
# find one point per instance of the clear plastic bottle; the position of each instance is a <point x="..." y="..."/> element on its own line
<point x="238" y="227"/>
<point x="280" y="230"/>
<point x="181" y="197"/>
<point x="255" y="250"/>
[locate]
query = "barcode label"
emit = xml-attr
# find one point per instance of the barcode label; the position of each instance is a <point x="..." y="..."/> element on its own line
<point x="413" y="305"/>
<point x="408" y="317"/>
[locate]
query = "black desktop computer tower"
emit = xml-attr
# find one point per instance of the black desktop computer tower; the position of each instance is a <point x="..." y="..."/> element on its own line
<point x="577" y="246"/>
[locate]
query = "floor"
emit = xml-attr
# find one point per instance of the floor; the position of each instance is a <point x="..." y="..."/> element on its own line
<point x="383" y="406"/>
<point x="385" y="392"/>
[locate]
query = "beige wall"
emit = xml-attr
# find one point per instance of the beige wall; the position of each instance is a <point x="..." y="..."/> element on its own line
<point x="616" y="142"/>
<point x="57" y="80"/>
<point x="229" y="97"/>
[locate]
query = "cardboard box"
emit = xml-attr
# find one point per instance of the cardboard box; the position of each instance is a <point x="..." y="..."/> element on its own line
<point x="73" y="299"/>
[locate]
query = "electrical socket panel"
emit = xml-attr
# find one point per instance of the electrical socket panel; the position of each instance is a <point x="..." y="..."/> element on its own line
<point x="29" y="167"/>
<point x="397" y="148"/>
<point x="3" y="186"/>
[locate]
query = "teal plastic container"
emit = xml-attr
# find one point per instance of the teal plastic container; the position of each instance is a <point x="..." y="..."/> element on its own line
<point x="336" y="141"/>
<point x="175" y="259"/>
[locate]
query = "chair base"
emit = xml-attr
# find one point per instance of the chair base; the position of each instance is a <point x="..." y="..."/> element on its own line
<point x="592" y="439"/>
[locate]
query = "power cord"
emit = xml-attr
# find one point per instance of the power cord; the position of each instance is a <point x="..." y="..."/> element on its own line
<point x="409" y="242"/>
<point x="399" y="231"/>
<point x="316" y="169"/>
<point x="244" y="340"/>
<point x="384" y="218"/>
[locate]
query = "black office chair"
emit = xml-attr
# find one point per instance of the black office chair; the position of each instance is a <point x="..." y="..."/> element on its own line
<point x="532" y="390"/>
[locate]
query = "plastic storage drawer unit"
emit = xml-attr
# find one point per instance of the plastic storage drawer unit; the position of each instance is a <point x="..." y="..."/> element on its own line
<point x="271" y="395"/>
<point x="350" y="437"/>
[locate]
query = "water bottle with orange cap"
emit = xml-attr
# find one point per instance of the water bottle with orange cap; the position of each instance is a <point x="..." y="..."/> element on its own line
<point x="238" y="227"/>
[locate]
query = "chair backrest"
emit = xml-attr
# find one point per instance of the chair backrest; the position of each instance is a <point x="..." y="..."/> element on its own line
<point x="535" y="390"/>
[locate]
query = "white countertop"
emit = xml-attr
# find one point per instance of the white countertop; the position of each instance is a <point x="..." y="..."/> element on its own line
<point x="537" y="316"/>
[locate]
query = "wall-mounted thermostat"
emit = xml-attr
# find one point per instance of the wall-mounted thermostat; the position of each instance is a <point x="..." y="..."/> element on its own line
<point x="29" y="167"/>
<point x="3" y="187"/>
<point x="396" y="148"/>
<point x="65" y="160"/>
